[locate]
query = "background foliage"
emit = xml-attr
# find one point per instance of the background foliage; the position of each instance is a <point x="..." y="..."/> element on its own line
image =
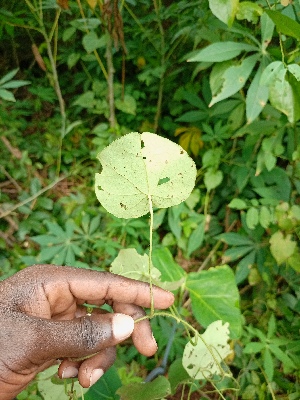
<point x="222" y="80"/>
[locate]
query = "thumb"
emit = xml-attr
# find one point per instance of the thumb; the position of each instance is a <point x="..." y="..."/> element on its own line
<point x="82" y="336"/>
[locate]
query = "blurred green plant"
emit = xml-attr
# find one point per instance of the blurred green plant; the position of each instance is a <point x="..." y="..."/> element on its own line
<point x="7" y="82"/>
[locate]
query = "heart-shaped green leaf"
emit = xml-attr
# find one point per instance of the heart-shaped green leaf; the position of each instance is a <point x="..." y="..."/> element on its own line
<point x="141" y="171"/>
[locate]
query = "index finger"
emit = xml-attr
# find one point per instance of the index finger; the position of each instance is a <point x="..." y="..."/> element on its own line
<point x="93" y="286"/>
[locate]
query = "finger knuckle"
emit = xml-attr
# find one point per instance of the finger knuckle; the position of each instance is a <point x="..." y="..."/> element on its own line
<point x="92" y="334"/>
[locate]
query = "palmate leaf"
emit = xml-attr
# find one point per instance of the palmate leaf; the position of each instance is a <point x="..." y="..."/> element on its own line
<point x="8" y="76"/>
<point x="58" y="245"/>
<point x="140" y="169"/>
<point x="190" y="139"/>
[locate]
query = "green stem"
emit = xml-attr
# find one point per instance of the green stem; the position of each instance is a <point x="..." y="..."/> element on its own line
<point x="150" y="255"/>
<point x="269" y="5"/>
<point x="196" y="337"/>
<point x="220" y="394"/>
<point x="206" y="204"/>
<point x="210" y="255"/>
<point x="281" y="48"/>
<point x="58" y="94"/>
<point x="157" y="7"/>
<point x="55" y="24"/>
<point x="95" y="51"/>
<point x="167" y="314"/>
<point x="33" y="197"/>
<point x="295" y="137"/>
<point x="183" y="391"/>
<point x="110" y="82"/>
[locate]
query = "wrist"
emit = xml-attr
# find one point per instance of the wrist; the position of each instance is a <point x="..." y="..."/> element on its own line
<point x="9" y="388"/>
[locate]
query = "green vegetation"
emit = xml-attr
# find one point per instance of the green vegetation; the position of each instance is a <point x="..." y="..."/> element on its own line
<point x="223" y="81"/>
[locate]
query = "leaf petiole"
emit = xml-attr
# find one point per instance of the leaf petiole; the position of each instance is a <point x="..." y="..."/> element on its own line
<point x="150" y="255"/>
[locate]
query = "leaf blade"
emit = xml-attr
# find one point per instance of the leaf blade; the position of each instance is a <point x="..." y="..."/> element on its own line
<point x="233" y="79"/>
<point x="221" y="51"/>
<point x="210" y="305"/>
<point x="138" y="168"/>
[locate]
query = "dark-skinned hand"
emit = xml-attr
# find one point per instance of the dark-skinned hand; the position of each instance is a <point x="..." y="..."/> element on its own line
<point x="42" y="319"/>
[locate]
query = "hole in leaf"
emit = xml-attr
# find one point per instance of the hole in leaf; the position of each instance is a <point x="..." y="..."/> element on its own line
<point x="142" y="144"/>
<point x="190" y="366"/>
<point x="99" y="187"/>
<point x="163" y="180"/>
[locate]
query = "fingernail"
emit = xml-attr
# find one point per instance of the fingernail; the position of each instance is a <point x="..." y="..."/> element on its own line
<point x="122" y="326"/>
<point x="69" y="372"/>
<point x="95" y="375"/>
<point x="154" y="340"/>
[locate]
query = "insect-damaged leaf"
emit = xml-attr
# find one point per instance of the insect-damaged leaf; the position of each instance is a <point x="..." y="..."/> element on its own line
<point x="142" y="168"/>
<point x="202" y="360"/>
<point x="227" y="79"/>
<point x="257" y="96"/>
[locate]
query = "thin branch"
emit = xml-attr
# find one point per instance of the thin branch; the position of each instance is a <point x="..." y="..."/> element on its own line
<point x="150" y="254"/>
<point x="13" y="150"/>
<point x="33" y="197"/>
<point x="95" y="51"/>
<point x="11" y="179"/>
<point x="163" y="64"/>
<point x="110" y="82"/>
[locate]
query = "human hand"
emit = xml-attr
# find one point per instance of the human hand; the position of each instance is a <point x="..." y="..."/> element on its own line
<point x="42" y="319"/>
